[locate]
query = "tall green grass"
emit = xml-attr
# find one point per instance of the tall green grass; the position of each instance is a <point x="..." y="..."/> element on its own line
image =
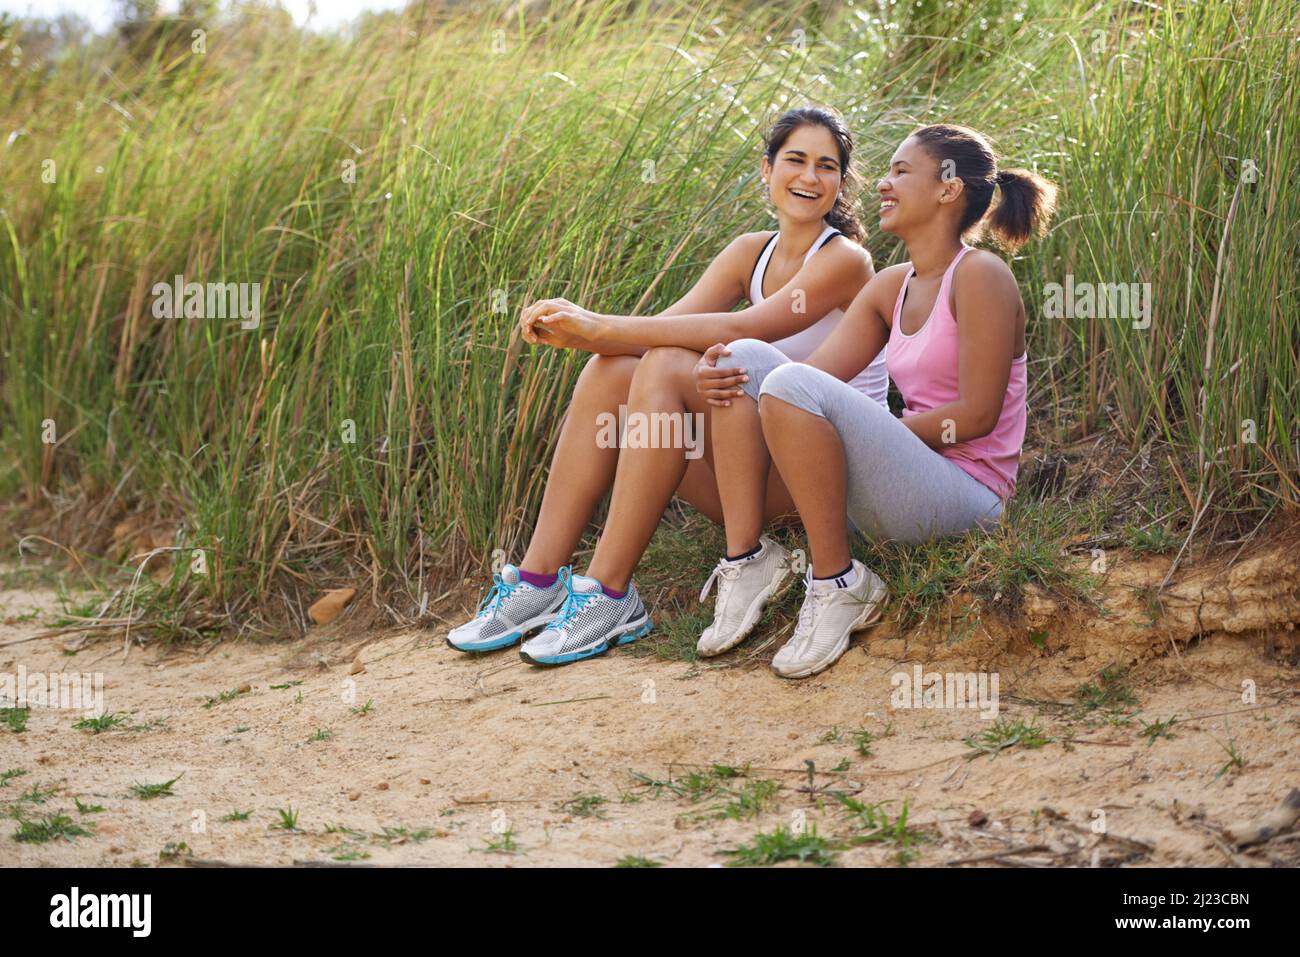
<point x="603" y="152"/>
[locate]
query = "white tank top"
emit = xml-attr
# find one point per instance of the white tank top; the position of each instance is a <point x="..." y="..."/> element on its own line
<point x="873" y="381"/>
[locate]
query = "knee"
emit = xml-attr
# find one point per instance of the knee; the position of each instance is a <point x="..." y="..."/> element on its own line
<point x="605" y="373"/>
<point x="752" y="354"/>
<point x="660" y="362"/>
<point x="794" y="383"/>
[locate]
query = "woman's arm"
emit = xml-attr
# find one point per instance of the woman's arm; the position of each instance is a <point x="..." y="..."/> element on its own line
<point x="858" y="338"/>
<point x="817" y="288"/>
<point x="719" y="289"/>
<point x="988" y="305"/>
<point x="854" y="342"/>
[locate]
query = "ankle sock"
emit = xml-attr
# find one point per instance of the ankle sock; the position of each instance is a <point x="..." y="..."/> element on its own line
<point x="844" y="579"/>
<point x="752" y="553"/>
<point x="537" y="581"/>
<point x="610" y="593"/>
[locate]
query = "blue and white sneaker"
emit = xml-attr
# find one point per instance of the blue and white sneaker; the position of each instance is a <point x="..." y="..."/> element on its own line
<point x="589" y="624"/>
<point x="511" y="609"/>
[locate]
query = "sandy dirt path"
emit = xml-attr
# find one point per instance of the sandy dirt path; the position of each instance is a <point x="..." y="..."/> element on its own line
<point x="453" y="752"/>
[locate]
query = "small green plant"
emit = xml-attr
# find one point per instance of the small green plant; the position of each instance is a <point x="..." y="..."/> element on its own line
<point x="236" y="815"/>
<point x="7" y="776"/>
<point x="225" y="696"/>
<point x="401" y="835"/>
<point x="365" y="708"/>
<point x="172" y="851"/>
<point x="37" y="795"/>
<point x="149" y="725"/>
<point x="1236" y="760"/>
<point x="636" y="860"/>
<point x="585" y="805"/>
<point x="49" y="828"/>
<point x="322" y="734"/>
<point x="766" y="849"/>
<point x="844" y="765"/>
<point x="693" y="786"/>
<point x="1151" y="600"/>
<point x="832" y="736"/>
<point x="288" y="818"/>
<point x="1109" y="694"/>
<point x="1158" y="729"/>
<point x="287" y="684"/>
<point x="97" y="724"/>
<point x="345" y="853"/>
<point x="1154" y="540"/>
<point x="146" y="792"/>
<point x="87" y="808"/>
<point x="353" y="833"/>
<point x="504" y="843"/>
<point x="873" y="820"/>
<point x="1006" y="733"/>
<point x="751" y="800"/>
<point x="862" y="741"/>
<point x="15" y="719"/>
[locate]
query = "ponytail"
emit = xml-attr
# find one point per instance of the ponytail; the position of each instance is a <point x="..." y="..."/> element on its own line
<point x="1024" y="208"/>
<point x="1028" y="200"/>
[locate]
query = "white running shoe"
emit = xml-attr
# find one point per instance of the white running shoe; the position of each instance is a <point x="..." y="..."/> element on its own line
<point x="511" y="610"/>
<point x="589" y="624"/>
<point x="744" y="587"/>
<point x="828" y="617"/>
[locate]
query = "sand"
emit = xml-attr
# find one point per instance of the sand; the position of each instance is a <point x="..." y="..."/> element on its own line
<point x="473" y="761"/>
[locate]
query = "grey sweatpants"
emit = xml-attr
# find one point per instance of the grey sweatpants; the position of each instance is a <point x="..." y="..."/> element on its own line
<point x="898" y="487"/>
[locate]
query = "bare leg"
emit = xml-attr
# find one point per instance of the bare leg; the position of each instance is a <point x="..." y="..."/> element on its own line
<point x="646" y="477"/>
<point x="581" y="471"/>
<point x="796" y="437"/>
<point x="738" y="441"/>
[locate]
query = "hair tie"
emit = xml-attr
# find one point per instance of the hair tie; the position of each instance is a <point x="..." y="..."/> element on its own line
<point x="1002" y="178"/>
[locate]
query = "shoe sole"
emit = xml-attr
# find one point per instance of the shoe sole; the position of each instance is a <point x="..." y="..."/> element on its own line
<point x="865" y="620"/>
<point x="753" y="613"/>
<point x="627" y="634"/>
<point x="507" y="640"/>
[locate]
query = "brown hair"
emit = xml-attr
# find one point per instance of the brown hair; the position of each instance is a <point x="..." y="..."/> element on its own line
<point x="1028" y="200"/>
<point x="842" y="215"/>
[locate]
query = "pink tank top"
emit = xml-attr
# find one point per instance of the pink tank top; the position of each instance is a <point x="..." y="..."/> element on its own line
<point x="924" y="367"/>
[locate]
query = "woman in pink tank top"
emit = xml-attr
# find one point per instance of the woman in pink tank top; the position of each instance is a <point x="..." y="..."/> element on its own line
<point x="924" y="365"/>
<point x="954" y="324"/>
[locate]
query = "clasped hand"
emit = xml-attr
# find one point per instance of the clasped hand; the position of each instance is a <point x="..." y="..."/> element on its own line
<point x="562" y="324"/>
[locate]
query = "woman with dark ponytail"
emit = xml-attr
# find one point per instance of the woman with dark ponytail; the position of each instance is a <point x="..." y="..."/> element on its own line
<point x="797" y="281"/>
<point x="954" y="323"/>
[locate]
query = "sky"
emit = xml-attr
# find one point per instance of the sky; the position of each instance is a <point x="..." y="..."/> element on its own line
<point x="328" y="14"/>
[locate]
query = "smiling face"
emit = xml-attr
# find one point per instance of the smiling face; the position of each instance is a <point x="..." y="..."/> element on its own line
<point x="913" y="191"/>
<point x="806" y="176"/>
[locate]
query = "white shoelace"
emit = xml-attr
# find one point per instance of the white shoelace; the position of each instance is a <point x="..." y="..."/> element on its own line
<point x="725" y="573"/>
<point x="812" y="605"/>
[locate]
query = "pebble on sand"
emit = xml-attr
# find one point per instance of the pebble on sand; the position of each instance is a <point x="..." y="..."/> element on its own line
<point x="327" y="608"/>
